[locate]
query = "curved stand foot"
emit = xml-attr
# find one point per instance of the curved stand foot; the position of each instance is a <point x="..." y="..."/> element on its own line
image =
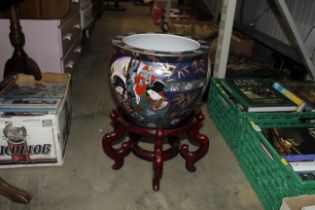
<point x="13" y="193"/>
<point x="192" y="157"/>
<point x="119" y="154"/>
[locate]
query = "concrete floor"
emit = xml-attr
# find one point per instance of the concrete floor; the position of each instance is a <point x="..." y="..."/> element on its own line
<point x="86" y="180"/>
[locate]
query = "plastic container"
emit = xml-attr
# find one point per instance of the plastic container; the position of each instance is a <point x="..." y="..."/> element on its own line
<point x="229" y="119"/>
<point x="268" y="173"/>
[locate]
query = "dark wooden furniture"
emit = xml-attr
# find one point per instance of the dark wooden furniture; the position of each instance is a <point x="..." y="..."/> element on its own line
<point x="19" y="62"/>
<point x="13" y="193"/>
<point x="41" y="9"/>
<point x="158" y="156"/>
<point x="58" y="46"/>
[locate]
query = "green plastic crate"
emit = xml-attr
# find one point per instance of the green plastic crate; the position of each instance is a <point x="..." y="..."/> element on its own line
<point x="229" y="119"/>
<point x="268" y="173"/>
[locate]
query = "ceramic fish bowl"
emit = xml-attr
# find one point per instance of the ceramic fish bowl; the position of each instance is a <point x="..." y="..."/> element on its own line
<point x="158" y="79"/>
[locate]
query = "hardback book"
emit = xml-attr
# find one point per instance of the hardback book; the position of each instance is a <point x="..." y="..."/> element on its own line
<point x="305" y="91"/>
<point x="27" y="111"/>
<point x="295" y="144"/>
<point x="257" y="95"/>
<point x="303" y="166"/>
<point x="298" y="101"/>
<point x="306" y="175"/>
<point x="30" y="103"/>
<point x="43" y="90"/>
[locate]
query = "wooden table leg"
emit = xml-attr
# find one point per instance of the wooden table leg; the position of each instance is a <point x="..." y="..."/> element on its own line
<point x="19" y="62"/>
<point x="13" y="193"/>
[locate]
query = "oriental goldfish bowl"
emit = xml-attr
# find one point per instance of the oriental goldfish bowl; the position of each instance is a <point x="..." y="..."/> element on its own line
<point x="158" y="79"/>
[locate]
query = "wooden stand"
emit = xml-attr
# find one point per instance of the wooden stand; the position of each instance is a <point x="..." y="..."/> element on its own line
<point x="135" y="133"/>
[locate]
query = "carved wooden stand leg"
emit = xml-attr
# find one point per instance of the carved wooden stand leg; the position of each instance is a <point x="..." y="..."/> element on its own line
<point x="117" y="155"/>
<point x="193" y="133"/>
<point x="121" y="127"/>
<point x="13" y="193"/>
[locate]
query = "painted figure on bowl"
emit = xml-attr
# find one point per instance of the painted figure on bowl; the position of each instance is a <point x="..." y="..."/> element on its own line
<point x="158" y="79"/>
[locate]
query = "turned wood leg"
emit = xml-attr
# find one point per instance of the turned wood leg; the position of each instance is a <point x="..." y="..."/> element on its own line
<point x="13" y="193"/>
<point x="193" y="133"/>
<point x="19" y="62"/>
<point x="119" y="154"/>
<point x="158" y="160"/>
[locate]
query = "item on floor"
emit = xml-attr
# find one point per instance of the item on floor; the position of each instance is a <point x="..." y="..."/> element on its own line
<point x="294" y="144"/>
<point x="301" y="91"/>
<point x="158" y="156"/>
<point x="19" y="62"/>
<point x="244" y="67"/>
<point x="182" y="16"/>
<point x="180" y="27"/>
<point x="86" y="17"/>
<point x="229" y="118"/>
<point x="13" y="193"/>
<point x="269" y="173"/>
<point x="115" y="6"/>
<point x="301" y="202"/>
<point x="143" y="2"/>
<point x="203" y="30"/>
<point x="241" y="45"/>
<point x="162" y="3"/>
<point x="32" y="135"/>
<point x="256" y="95"/>
<point x="157" y="15"/>
<point x="158" y="81"/>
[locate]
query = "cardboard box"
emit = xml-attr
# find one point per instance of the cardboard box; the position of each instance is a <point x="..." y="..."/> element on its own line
<point x="36" y="139"/>
<point x="181" y="27"/>
<point x="205" y="29"/>
<point x="303" y="202"/>
<point x="197" y="29"/>
<point x="182" y="13"/>
<point x="162" y="3"/>
<point x="241" y="45"/>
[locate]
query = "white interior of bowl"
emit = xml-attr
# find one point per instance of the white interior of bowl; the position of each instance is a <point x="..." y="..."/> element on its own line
<point x="161" y="42"/>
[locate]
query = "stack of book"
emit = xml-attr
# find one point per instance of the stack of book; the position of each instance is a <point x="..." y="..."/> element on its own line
<point x="32" y="98"/>
<point x="302" y="93"/>
<point x="297" y="146"/>
<point x="257" y="95"/>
